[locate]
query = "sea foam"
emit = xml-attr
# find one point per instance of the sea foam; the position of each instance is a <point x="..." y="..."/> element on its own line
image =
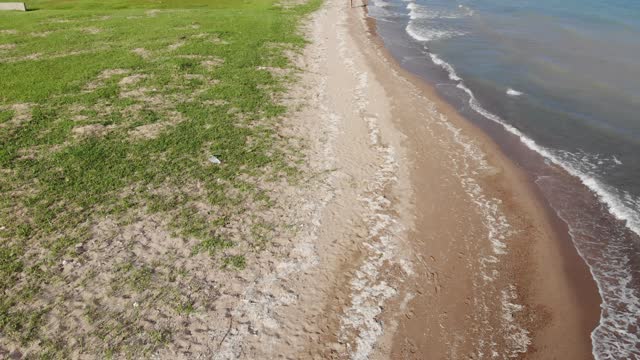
<point x="621" y="209"/>
<point x="422" y="29"/>
<point x="417" y="11"/>
<point x="512" y="92"/>
<point x="425" y="34"/>
<point x="445" y="65"/>
<point x="381" y="3"/>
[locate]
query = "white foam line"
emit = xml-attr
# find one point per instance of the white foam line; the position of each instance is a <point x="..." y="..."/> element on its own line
<point x="381" y="3"/>
<point x="425" y="34"/>
<point x="518" y="338"/>
<point x="445" y="65"/>
<point x="369" y="291"/>
<point x="617" y="207"/>
<point x="512" y="92"/>
<point x="417" y="11"/>
<point x="620" y="306"/>
<point x="494" y="220"/>
<point x="468" y="163"/>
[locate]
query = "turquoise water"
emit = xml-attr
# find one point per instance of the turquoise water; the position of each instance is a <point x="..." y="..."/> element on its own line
<point x="564" y="78"/>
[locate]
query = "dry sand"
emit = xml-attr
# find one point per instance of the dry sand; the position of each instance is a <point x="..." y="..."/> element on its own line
<point x="418" y="238"/>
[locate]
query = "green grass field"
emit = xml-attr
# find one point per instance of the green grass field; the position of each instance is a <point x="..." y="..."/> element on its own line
<point x="110" y="110"/>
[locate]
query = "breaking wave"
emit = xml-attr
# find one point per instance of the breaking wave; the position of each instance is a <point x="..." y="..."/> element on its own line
<point x="424" y="33"/>
<point x="417" y="11"/>
<point x="512" y="92"/>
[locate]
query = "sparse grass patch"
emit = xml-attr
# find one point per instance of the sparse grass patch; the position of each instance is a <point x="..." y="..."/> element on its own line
<point x="235" y="261"/>
<point x="5" y="115"/>
<point x="109" y="111"/>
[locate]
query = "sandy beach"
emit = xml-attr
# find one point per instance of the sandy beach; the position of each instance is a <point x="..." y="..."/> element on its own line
<point x="428" y="242"/>
<point x="262" y="180"/>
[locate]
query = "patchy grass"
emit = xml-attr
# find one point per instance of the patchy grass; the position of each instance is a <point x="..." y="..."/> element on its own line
<point x="109" y="111"/>
<point x="235" y="261"/>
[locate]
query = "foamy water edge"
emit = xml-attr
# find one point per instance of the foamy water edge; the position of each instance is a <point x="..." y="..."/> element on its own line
<point x="607" y="196"/>
<point x="583" y="166"/>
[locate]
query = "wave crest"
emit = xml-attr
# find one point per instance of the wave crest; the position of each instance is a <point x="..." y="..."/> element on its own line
<point x="425" y="34"/>
<point x="512" y="92"/>
<point x="417" y="11"/>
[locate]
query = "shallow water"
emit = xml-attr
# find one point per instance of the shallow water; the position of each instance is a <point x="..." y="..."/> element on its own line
<point x="564" y="80"/>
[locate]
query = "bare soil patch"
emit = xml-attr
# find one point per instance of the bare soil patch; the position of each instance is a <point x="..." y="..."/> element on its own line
<point x="91" y="130"/>
<point x="91" y="30"/>
<point x="145" y="54"/>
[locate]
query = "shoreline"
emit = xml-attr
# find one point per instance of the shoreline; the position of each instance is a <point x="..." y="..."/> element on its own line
<point x="566" y="272"/>
<point x="573" y="165"/>
<point x="312" y="195"/>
